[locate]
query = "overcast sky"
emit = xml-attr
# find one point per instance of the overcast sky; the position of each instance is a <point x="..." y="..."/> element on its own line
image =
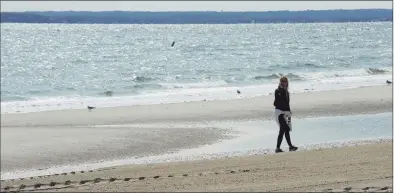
<point x="189" y="5"/>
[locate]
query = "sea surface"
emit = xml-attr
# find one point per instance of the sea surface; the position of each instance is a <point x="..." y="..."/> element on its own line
<point x="69" y="66"/>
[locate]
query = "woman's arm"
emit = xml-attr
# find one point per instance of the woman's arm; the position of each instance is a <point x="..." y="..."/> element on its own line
<point x="288" y="94"/>
<point x="277" y="96"/>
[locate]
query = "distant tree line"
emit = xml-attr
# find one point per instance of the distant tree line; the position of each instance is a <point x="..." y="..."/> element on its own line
<point x="198" y="17"/>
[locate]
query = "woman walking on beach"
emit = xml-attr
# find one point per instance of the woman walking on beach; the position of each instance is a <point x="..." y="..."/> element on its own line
<point x="283" y="114"/>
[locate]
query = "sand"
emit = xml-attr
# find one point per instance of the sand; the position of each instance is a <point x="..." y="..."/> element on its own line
<point x="315" y="170"/>
<point x="24" y="148"/>
<point x="358" y="168"/>
<point x="325" y="103"/>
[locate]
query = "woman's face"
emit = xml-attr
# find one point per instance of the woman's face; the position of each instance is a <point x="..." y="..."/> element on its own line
<point x="284" y="83"/>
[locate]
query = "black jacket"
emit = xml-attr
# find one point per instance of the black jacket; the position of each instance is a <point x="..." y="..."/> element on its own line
<point x="282" y="99"/>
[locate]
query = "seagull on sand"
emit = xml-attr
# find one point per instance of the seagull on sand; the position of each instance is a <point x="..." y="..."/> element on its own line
<point x="90" y="108"/>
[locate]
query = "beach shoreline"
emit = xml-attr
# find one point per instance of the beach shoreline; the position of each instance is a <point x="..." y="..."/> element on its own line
<point x="376" y="99"/>
<point x="40" y="151"/>
<point x="170" y="96"/>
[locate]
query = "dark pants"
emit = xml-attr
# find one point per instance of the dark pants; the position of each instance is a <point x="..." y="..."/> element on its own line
<point x="284" y="130"/>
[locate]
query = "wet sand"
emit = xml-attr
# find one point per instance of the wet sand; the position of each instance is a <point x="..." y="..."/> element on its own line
<point x="24" y="148"/>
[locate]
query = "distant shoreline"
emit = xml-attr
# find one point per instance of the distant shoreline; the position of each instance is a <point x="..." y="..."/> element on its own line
<point x="327" y="22"/>
<point x="198" y="17"/>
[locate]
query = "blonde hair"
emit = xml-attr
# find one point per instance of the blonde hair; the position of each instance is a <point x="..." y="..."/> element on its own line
<point x="283" y="79"/>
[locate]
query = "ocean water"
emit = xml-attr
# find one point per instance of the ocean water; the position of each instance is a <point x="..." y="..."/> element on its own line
<point x="68" y="66"/>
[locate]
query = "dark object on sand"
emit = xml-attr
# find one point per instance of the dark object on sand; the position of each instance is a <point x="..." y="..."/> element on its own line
<point x="173" y="43"/>
<point x="388" y="82"/>
<point x="90" y="108"/>
<point x="239" y="92"/>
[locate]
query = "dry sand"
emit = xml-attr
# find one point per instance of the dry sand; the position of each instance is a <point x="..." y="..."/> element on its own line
<point x="358" y="168"/>
<point x="324" y="103"/>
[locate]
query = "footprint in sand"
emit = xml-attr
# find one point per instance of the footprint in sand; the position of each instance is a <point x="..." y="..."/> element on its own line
<point x="22" y="186"/>
<point x="384" y="188"/>
<point x="366" y="188"/>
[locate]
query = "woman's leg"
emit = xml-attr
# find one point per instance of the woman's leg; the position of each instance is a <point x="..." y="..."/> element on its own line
<point x="284" y="130"/>
<point x="280" y="137"/>
<point x="287" y="136"/>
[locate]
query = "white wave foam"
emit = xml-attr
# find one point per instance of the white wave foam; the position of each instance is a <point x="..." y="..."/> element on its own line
<point x="347" y="73"/>
<point x="199" y="92"/>
<point x="194" y="85"/>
